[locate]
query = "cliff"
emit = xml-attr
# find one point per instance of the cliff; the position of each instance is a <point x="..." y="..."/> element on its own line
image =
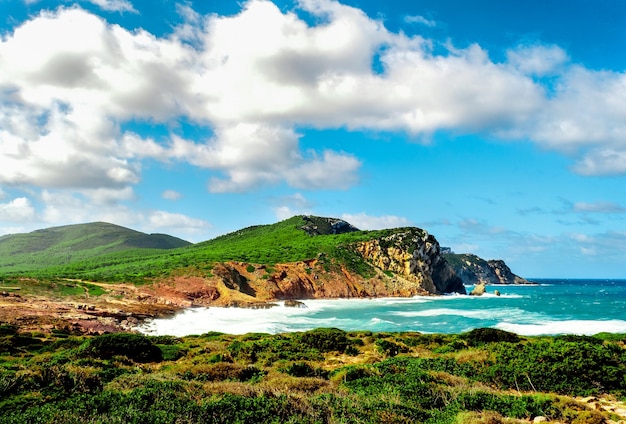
<point x="402" y="262"/>
<point x="474" y="270"/>
<point x="414" y="255"/>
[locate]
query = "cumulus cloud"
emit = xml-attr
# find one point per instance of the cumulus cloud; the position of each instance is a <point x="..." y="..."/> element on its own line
<point x="364" y="221"/>
<point x="17" y="210"/>
<point x="295" y="204"/>
<point x="538" y="60"/>
<point x="255" y="77"/>
<point x="162" y="221"/>
<point x="62" y="206"/>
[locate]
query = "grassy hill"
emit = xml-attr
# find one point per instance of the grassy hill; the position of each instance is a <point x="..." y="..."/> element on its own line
<point x="68" y="244"/>
<point x="296" y="239"/>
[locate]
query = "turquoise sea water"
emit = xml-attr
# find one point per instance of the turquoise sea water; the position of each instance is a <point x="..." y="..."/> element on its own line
<point x="551" y="307"/>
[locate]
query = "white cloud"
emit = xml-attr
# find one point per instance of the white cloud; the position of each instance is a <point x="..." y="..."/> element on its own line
<point x="17" y="210"/>
<point x="171" y="195"/>
<point x="367" y="222"/>
<point x="602" y="162"/>
<point x="332" y="170"/>
<point x="599" y="207"/>
<point x="114" y="5"/>
<point x="62" y="207"/>
<point x="255" y="77"/>
<point x="285" y="212"/>
<point x="418" y="19"/>
<point x="163" y="221"/>
<point x="538" y="60"/>
<point x="295" y="204"/>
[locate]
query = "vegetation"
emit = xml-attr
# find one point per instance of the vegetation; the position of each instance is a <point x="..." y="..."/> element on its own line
<point x="20" y="253"/>
<point x="319" y="376"/>
<point x="282" y="242"/>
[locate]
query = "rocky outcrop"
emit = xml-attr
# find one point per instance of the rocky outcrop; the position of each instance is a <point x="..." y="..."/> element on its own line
<point x="317" y="226"/>
<point x="479" y="290"/>
<point x="414" y="255"/>
<point x="473" y="270"/>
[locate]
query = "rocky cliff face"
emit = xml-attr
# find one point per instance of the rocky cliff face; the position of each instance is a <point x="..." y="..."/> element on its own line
<point x="416" y="256"/>
<point x="407" y="262"/>
<point x="474" y="270"/>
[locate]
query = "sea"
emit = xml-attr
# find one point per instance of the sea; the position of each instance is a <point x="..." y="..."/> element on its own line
<point x="553" y="306"/>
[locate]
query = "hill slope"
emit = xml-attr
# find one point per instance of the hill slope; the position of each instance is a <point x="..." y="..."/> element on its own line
<point x="401" y="261"/>
<point x="474" y="270"/>
<point x="72" y="243"/>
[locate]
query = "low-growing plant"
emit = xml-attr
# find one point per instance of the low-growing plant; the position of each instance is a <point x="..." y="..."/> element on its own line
<point x="136" y="347"/>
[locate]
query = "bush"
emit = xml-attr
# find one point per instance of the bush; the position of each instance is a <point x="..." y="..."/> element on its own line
<point x="480" y="336"/>
<point x="136" y="347"/>
<point x="304" y="369"/>
<point x="578" y="368"/>
<point x="389" y="348"/>
<point x="326" y="339"/>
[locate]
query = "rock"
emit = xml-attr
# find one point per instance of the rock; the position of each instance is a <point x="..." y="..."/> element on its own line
<point x="540" y="419"/>
<point x="473" y="270"/>
<point x="291" y="303"/>
<point x="479" y="290"/>
<point x="414" y="255"/>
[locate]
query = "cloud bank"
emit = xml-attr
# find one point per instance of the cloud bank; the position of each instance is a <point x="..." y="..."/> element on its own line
<point x="70" y="82"/>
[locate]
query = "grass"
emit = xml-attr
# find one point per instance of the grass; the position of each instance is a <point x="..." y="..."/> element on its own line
<point x="23" y="253"/>
<point x="282" y="242"/>
<point x="319" y="376"/>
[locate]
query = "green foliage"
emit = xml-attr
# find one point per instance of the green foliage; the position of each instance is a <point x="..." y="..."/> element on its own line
<point x="134" y="346"/>
<point x="68" y="244"/>
<point x="326" y="339"/>
<point x="480" y="336"/>
<point x="282" y="242"/>
<point x="304" y="369"/>
<point x="389" y="348"/>
<point x="269" y="349"/>
<point x="98" y="380"/>
<point x="559" y="365"/>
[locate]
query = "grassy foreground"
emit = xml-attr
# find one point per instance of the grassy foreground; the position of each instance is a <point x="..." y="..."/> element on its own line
<point x="319" y="376"/>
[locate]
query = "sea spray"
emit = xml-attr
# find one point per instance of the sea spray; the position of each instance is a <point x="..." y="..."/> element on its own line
<point x="553" y="307"/>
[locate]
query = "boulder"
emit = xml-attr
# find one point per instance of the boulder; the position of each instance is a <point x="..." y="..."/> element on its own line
<point x="479" y="290"/>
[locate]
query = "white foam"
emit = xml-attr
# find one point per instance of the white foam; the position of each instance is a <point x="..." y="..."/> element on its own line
<point x="484" y="314"/>
<point x="579" y="327"/>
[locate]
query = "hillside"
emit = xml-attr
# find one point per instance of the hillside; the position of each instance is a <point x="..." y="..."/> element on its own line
<point x="73" y="243"/>
<point x="472" y="270"/>
<point x="340" y="249"/>
<point x="97" y="276"/>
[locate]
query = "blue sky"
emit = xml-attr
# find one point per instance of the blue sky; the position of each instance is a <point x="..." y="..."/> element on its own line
<point x="499" y="127"/>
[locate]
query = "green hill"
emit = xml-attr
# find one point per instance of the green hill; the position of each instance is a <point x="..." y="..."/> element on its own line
<point x="109" y="253"/>
<point x="53" y="247"/>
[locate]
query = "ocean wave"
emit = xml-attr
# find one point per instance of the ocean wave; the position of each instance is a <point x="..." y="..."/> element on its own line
<point x="578" y="327"/>
<point x="482" y="314"/>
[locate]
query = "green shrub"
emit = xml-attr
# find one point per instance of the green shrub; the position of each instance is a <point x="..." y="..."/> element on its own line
<point x="172" y="352"/>
<point x="8" y="329"/>
<point x="579" y="368"/>
<point x="480" y="336"/>
<point x="304" y="369"/>
<point x="136" y="347"/>
<point x="326" y="339"/>
<point x="389" y="348"/>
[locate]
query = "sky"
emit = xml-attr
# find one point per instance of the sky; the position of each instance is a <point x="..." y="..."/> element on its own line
<point x="499" y="127"/>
